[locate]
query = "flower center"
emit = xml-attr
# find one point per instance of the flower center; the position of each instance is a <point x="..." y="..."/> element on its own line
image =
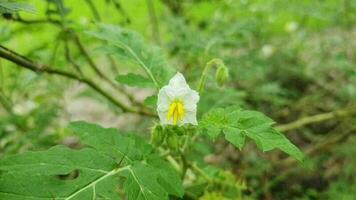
<point x="176" y="111"/>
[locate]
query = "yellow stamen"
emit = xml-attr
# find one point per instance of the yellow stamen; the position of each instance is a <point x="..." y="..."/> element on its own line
<point x="176" y="111"/>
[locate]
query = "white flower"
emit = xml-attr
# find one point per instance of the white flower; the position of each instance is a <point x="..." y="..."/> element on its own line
<point x="177" y="103"/>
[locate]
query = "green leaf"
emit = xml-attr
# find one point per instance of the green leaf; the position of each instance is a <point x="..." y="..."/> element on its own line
<point x="151" y="101"/>
<point x="237" y="124"/>
<point x="129" y="45"/>
<point x="167" y="176"/>
<point x="15" y="7"/>
<point x="93" y="172"/>
<point x="35" y="175"/>
<point x="110" y="142"/>
<point x="135" y="80"/>
<point x="153" y="180"/>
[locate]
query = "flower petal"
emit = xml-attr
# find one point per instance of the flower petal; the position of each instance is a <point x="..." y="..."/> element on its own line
<point x="164" y="98"/>
<point x="190" y="117"/>
<point x="163" y="117"/>
<point x="190" y="100"/>
<point x="178" y="81"/>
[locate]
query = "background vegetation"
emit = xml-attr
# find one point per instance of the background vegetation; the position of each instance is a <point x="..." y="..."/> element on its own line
<point x="293" y="60"/>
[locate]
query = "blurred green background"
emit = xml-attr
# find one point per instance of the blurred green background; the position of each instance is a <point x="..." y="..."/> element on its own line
<point x="290" y="59"/>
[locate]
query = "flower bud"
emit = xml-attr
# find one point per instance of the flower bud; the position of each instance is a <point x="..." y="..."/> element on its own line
<point x="157" y="135"/>
<point x="177" y="130"/>
<point x="173" y="142"/>
<point x="222" y="75"/>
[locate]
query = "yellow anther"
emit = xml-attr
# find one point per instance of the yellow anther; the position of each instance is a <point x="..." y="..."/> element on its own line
<point x="180" y="110"/>
<point x="176" y="112"/>
<point x="171" y="110"/>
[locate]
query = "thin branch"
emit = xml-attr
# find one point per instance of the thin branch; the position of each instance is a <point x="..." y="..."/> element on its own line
<point x="112" y="64"/>
<point x="317" y="118"/>
<point x="97" y="70"/>
<point x="91" y="62"/>
<point x="41" y="68"/>
<point x="70" y="59"/>
<point x="119" y="7"/>
<point x="19" y="19"/>
<point x="93" y="10"/>
<point x="5" y="103"/>
<point x="154" y="21"/>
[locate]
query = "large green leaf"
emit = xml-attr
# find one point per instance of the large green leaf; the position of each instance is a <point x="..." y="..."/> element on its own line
<point x="35" y="175"/>
<point x="110" y="142"/>
<point x="237" y="124"/>
<point x="93" y="172"/>
<point x="129" y="45"/>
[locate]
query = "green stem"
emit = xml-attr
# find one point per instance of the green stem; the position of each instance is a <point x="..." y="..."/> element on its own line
<point x="93" y="10"/>
<point x="317" y="118"/>
<point x="200" y="171"/>
<point x="154" y="21"/>
<point x="212" y="63"/>
<point x="6" y="104"/>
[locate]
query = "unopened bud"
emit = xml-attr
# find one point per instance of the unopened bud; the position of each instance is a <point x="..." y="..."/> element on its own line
<point x="222" y="75"/>
<point x="173" y="142"/>
<point x="157" y="135"/>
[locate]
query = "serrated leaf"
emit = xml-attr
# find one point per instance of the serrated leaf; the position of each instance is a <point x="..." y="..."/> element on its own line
<point x="237" y="124"/>
<point x="135" y="80"/>
<point x="110" y="142"/>
<point x="142" y="184"/>
<point x="167" y="176"/>
<point x="34" y="175"/>
<point x="130" y="45"/>
<point x="93" y="172"/>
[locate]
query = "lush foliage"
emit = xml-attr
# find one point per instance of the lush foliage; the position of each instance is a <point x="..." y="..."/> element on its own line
<point x="276" y="113"/>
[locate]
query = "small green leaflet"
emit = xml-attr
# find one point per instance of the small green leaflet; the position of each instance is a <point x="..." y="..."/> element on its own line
<point x="129" y="45"/>
<point x="237" y="124"/>
<point x="99" y="169"/>
<point x="15" y="7"/>
<point x="151" y="101"/>
<point x="135" y="80"/>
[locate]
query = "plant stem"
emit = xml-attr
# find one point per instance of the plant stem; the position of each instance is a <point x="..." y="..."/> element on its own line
<point x="154" y="22"/>
<point x="6" y="104"/>
<point x="101" y="74"/>
<point x="93" y="10"/>
<point x="317" y="118"/>
<point x="204" y="76"/>
<point x="70" y="59"/>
